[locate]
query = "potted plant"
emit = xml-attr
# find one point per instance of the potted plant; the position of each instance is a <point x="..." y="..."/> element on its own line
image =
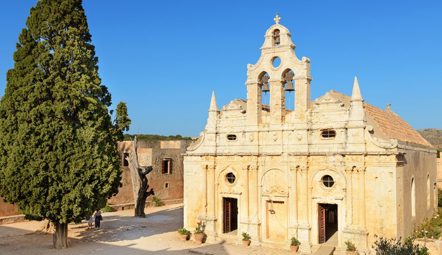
<point x="184" y="234"/>
<point x="351" y="248"/>
<point x="294" y="244"/>
<point x="246" y="239"/>
<point x="199" y="235"/>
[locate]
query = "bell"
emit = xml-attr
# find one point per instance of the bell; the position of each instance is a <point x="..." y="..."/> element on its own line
<point x="264" y="83"/>
<point x="288" y="78"/>
<point x="265" y="87"/>
<point x="289" y="86"/>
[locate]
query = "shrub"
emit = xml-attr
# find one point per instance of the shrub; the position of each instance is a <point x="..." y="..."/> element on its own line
<point x="107" y="208"/>
<point x="157" y="201"/>
<point x="295" y="242"/>
<point x="246" y="236"/>
<point x="350" y="246"/>
<point x="184" y="231"/>
<point x="430" y="228"/>
<point x="385" y="246"/>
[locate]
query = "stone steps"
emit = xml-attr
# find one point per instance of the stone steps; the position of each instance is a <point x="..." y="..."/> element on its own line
<point x="325" y="250"/>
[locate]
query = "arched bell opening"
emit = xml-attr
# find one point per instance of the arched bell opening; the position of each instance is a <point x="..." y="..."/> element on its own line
<point x="264" y="90"/>
<point x="276" y="38"/>
<point x="288" y="82"/>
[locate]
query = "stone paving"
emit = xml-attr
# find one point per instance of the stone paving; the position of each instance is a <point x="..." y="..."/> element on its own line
<point x="120" y="234"/>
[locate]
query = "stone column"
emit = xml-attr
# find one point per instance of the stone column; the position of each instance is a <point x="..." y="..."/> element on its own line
<point x="210" y="203"/>
<point x="244" y="210"/>
<point x="302" y="97"/>
<point x="293" y="208"/>
<point x="349" y="197"/>
<point x="254" y="98"/>
<point x="254" y="222"/>
<point x="355" y="197"/>
<point x="362" y="197"/>
<point x="304" y="227"/>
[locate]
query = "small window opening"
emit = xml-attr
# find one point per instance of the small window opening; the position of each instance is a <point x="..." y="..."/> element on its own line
<point x="276" y="62"/>
<point x="276" y="37"/>
<point x="328" y="181"/>
<point x="166" y="166"/>
<point x="231" y="137"/>
<point x="125" y="159"/>
<point x="328" y="133"/>
<point x="230" y="177"/>
<point x="166" y="185"/>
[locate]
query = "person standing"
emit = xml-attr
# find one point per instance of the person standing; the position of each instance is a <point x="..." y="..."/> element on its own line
<point x="98" y="218"/>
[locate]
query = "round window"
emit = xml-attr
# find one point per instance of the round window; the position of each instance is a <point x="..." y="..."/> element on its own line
<point x="328" y="181"/>
<point x="230" y="177"/>
<point x="276" y="61"/>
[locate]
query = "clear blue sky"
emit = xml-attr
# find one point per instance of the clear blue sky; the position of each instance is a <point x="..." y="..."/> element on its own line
<point x="164" y="58"/>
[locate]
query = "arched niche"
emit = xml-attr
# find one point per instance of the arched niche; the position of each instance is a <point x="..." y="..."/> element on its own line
<point x="288" y="83"/>
<point x="264" y="88"/>
<point x="276" y="38"/>
<point x="274" y="183"/>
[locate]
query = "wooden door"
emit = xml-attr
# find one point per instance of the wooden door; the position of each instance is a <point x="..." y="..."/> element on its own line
<point x="321" y="224"/>
<point x="227" y="215"/>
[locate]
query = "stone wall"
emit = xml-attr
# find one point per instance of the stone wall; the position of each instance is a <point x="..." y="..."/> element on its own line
<point x="7" y="209"/>
<point x="167" y="187"/>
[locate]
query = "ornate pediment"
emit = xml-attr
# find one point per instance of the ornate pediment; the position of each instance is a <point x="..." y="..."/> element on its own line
<point x="235" y="105"/>
<point x="327" y="99"/>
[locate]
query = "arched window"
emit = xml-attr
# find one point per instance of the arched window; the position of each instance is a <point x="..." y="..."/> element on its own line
<point x="276" y="37"/>
<point x="288" y="82"/>
<point x="413" y="198"/>
<point x="264" y="85"/>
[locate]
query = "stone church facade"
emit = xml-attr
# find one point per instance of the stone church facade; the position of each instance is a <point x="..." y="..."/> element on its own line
<point x="329" y="170"/>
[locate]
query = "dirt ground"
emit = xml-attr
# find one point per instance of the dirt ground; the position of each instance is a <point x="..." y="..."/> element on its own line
<point x="121" y="233"/>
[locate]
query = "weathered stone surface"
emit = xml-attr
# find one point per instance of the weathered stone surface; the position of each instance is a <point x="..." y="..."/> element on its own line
<point x="384" y="172"/>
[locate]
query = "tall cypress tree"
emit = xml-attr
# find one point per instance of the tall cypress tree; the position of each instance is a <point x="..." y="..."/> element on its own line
<point x="58" y="154"/>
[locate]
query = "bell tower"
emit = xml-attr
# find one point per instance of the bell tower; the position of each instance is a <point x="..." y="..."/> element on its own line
<point x="278" y="72"/>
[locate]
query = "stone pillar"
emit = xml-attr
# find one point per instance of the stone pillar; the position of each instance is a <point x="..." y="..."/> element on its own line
<point x="292" y="202"/>
<point x="276" y="101"/>
<point x="254" y="221"/>
<point x="356" y="229"/>
<point x="349" y="197"/>
<point x="304" y="227"/>
<point x="244" y="210"/>
<point x="362" y="197"/>
<point x="355" y="196"/>
<point x="302" y="97"/>
<point x="210" y="202"/>
<point x="254" y="106"/>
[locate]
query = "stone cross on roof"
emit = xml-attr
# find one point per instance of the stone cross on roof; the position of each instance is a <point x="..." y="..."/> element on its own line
<point x="277" y="19"/>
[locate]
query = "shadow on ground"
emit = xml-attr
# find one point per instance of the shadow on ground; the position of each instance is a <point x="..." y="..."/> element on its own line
<point x="155" y="234"/>
<point x="123" y="228"/>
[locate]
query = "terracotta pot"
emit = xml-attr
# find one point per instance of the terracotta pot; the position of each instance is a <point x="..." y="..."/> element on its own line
<point x="352" y="253"/>
<point x="200" y="238"/>
<point x="294" y="248"/>
<point x="184" y="237"/>
<point x="246" y="242"/>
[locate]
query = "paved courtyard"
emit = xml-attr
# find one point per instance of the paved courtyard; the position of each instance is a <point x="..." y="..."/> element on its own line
<point x="121" y="233"/>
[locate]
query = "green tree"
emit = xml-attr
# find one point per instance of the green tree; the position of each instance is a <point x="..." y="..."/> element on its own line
<point x="122" y="121"/>
<point x="58" y="153"/>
